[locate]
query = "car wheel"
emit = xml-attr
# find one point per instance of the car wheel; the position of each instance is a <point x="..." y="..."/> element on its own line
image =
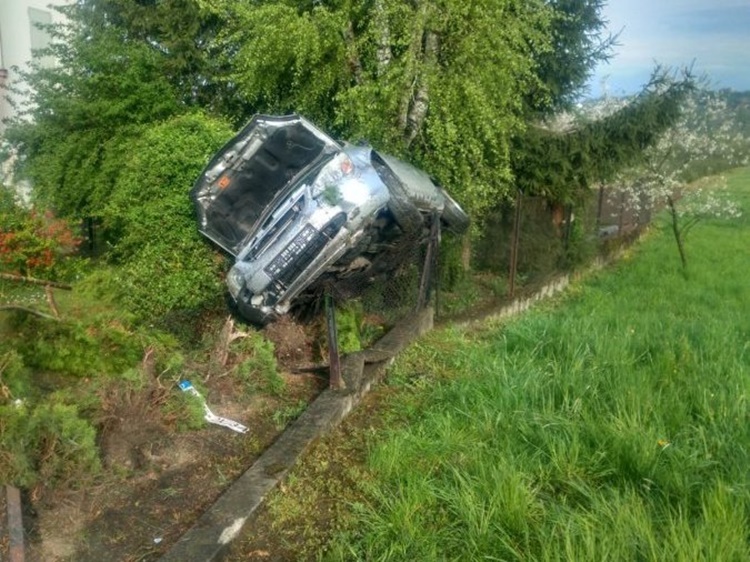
<point x="249" y="313"/>
<point x="404" y="212"/>
<point x="454" y="218"/>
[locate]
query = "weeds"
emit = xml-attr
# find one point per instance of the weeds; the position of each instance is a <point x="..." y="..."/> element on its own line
<point x="285" y="414"/>
<point x="257" y="366"/>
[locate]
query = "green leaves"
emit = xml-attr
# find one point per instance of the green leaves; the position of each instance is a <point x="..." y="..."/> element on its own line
<point x="165" y="264"/>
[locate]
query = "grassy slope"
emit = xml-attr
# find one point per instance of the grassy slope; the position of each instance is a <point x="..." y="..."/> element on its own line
<point x="612" y="427"/>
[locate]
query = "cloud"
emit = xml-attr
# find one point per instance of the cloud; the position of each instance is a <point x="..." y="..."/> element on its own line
<point x="677" y="33"/>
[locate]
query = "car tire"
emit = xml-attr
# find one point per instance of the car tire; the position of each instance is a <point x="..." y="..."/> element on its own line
<point x="249" y="313"/>
<point x="454" y="218"/>
<point x="404" y="212"/>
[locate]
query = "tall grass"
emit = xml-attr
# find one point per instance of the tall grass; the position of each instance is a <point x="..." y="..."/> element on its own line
<point x="611" y="425"/>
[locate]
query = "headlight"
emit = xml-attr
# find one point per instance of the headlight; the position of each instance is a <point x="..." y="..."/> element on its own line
<point x="235" y="282"/>
<point x="332" y="173"/>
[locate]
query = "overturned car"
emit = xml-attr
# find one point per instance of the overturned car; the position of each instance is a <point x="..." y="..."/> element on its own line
<point x="293" y="206"/>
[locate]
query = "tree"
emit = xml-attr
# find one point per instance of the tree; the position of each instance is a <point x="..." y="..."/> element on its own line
<point x="704" y="140"/>
<point x="77" y="118"/>
<point x="579" y="42"/>
<point x="439" y="82"/>
<point x="179" y="32"/>
<point x="561" y="158"/>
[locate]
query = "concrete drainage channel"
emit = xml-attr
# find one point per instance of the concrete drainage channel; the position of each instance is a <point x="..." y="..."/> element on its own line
<point x="214" y="531"/>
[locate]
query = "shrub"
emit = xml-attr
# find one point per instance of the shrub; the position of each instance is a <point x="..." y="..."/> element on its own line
<point x="32" y="242"/>
<point x="164" y="263"/>
<point x="258" y="367"/>
<point x="50" y="443"/>
<point x="77" y="348"/>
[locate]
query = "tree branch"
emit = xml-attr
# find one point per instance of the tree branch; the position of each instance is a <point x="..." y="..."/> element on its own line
<point x="28" y="310"/>
<point x="689" y="225"/>
<point x="34" y="281"/>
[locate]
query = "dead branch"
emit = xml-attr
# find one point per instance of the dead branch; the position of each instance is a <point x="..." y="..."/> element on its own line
<point x="228" y="334"/>
<point x="28" y="311"/>
<point x="34" y="281"/>
<point x="51" y="301"/>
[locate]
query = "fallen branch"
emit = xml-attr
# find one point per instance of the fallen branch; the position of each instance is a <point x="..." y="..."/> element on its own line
<point x="34" y="281"/>
<point x="220" y="354"/>
<point x="51" y="301"/>
<point x="28" y="310"/>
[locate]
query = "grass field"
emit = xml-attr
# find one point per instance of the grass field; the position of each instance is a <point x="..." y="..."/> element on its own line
<point x="611" y="424"/>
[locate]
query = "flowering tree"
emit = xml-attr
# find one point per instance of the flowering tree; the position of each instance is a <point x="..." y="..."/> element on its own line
<point x="704" y="141"/>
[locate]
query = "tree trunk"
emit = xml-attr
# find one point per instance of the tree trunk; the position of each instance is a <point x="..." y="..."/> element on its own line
<point x="385" y="54"/>
<point x="421" y="101"/>
<point x="354" y="62"/>
<point x="422" y="57"/>
<point x="677" y="233"/>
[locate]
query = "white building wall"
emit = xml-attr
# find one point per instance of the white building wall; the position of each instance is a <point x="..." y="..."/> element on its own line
<point x="18" y="36"/>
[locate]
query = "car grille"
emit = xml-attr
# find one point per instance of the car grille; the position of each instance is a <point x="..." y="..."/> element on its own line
<point x="301" y="251"/>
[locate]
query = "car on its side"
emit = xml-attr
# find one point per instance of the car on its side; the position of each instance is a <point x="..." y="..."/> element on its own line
<point x="291" y="205"/>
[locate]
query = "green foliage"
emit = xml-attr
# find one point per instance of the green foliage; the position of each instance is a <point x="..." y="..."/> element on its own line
<point x="451" y="268"/>
<point x="13" y="374"/>
<point x="76" y="349"/>
<point x="177" y="31"/>
<point x="257" y="366"/>
<point x="15" y="465"/>
<point x="286" y="60"/>
<point x="164" y="263"/>
<point x="438" y="82"/>
<point x="83" y="114"/>
<point x="349" y="320"/>
<point x="49" y="443"/>
<point x="63" y="443"/>
<point x="561" y="165"/>
<point x="579" y="44"/>
<point x="282" y="416"/>
<point x="185" y="410"/>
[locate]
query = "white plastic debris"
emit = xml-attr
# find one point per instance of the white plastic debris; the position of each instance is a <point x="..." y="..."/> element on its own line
<point x="209" y="416"/>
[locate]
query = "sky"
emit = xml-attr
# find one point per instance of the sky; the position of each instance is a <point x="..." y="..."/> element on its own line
<point x="713" y="35"/>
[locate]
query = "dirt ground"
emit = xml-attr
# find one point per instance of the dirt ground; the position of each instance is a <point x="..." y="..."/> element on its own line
<point x="156" y="480"/>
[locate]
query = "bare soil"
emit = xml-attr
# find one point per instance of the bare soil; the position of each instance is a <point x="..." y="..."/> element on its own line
<point x="158" y="480"/>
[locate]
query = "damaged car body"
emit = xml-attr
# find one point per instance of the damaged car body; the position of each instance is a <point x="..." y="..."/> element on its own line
<point x="292" y="206"/>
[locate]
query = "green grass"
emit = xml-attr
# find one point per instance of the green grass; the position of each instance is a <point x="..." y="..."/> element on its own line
<point x="611" y="424"/>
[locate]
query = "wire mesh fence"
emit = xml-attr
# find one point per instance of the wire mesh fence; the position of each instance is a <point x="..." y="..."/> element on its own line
<point x="533" y="238"/>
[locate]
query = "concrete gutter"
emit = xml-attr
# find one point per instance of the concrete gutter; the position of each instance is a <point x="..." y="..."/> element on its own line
<point x="214" y="531"/>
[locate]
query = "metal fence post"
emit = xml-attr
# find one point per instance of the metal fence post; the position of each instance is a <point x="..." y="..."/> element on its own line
<point x="429" y="269"/>
<point x="335" y="380"/>
<point x="514" y="246"/>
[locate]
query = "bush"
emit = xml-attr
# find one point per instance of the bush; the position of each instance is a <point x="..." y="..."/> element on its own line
<point x="165" y="265"/>
<point x="76" y="348"/>
<point x="258" y="367"/>
<point x="33" y="242"/>
<point x="50" y="443"/>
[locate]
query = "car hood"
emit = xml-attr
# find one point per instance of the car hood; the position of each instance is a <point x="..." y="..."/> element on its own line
<point x="252" y="172"/>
